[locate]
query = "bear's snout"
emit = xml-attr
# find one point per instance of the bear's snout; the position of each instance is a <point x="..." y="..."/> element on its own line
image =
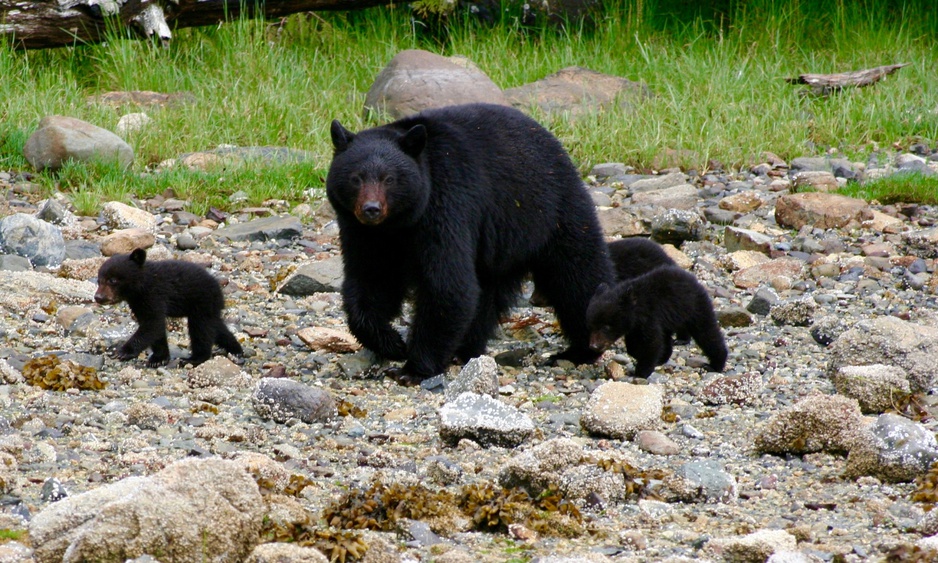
<point x="371" y="208"/>
<point x="599" y="342"/>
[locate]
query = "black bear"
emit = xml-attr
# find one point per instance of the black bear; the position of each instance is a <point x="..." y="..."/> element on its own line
<point x="454" y="207"/>
<point x="648" y="309"/>
<point x="630" y="257"/>
<point x="161" y="289"/>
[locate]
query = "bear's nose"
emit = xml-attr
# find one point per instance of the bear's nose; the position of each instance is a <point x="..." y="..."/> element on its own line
<point x="371" y="210"/>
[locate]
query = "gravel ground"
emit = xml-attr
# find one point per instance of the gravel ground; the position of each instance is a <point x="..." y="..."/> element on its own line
<point x="144" y="419"/>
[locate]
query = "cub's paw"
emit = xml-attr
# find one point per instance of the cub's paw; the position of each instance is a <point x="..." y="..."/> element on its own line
<point x="157" y="360"/>
<point x="123" y="354"/>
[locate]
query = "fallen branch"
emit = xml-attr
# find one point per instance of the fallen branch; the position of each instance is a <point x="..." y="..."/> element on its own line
<point x="824" y="84"/>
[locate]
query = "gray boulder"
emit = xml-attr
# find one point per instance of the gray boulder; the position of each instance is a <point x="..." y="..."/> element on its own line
<point x="42" y="243"/>
<point x="416" y="80"/>
<point x="61" y="138"/>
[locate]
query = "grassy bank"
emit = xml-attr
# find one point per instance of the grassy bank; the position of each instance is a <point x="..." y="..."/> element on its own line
<point x="717" y="74"/>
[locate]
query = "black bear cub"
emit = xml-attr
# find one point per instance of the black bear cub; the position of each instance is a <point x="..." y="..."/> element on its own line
<point x="648" y="309"/>
<point x="161" y="289"/>
<point x="631" y="257"/>
<point x="454" y="207"/>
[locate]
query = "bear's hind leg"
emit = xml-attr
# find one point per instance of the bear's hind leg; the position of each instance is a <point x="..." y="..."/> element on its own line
<point x="201" y="337"/>
<point x="227" y="340"/>
<point x="710" y="339"/>
<point x="493" y="303"/>
<point x="568" y="281"/>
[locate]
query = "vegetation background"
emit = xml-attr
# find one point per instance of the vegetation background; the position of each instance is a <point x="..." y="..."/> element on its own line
<point x="717" y="70"/>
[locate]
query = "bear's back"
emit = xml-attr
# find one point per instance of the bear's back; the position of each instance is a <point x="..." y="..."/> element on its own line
<point x="184" y="287"/>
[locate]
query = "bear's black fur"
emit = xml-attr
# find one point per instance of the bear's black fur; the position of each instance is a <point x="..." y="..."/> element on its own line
<point x="454" y="206"/>
<point x="161" y="289"/>
<point x="631" y="257"/>
<point x="648" y="309"/>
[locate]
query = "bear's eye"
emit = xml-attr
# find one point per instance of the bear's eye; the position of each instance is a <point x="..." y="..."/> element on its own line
<point x="356" y="179"/>
<point x="111" y="281"/>
<point x="389" y="180"/>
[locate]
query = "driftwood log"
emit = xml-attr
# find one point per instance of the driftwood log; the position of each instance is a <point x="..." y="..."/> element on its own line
<point x="824" y="84"/>
<point x="39" y="24"/>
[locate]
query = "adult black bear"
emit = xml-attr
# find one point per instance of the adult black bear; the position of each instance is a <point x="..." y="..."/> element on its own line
<point x="648" y="309"/>
<point x="166" y="288"/>
<point x="631" y="257"/>
<point x="454" y="206"/>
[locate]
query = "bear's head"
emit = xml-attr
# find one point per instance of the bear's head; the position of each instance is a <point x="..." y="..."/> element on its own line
<point x="608" y="315"/>
<point x="120" y="276"/>
<point x="377" y="175"/>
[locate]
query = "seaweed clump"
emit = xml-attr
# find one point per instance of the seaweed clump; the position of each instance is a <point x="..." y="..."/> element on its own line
<point x="51" y="373"/>
<point x="381" y="506"/>
<point x="490" y="509"/>
<point x="639" y="484"/>
<point x="337" y="545"/>
<point x="926" y="488"/>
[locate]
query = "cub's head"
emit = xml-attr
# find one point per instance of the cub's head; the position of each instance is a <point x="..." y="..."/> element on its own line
<point x="607" y="316"/>
<point x="376" y="174"/>
<point x="119" y="276"/>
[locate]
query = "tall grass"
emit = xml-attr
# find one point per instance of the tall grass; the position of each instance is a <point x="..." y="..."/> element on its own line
<point x="716" y="70"/>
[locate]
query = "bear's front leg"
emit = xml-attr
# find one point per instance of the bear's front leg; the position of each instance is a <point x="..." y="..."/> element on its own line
<point x="370" y="307"/>
<point x="150" y="331"/>
<point x="445" y="306"/>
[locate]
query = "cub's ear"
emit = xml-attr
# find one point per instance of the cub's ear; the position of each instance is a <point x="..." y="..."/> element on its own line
<point x="341" y="137"/>
<point x="138" y="256"/>
<point x="414" y="141"/>
<point x="603" y="287"/>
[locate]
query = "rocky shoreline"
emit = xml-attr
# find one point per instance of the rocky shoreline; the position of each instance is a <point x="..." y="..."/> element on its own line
<point x="827" y="303"/>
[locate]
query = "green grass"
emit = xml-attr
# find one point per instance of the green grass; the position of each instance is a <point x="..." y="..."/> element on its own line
<point x="901" y="187"/>
<point x="717" y="75"/>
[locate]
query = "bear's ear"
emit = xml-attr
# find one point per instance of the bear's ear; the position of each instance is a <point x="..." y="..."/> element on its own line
<point x="138" y="256"/>
<point x="603" y="287"/>
<point x="413" y="141"/>
<point x="341" y="137"/>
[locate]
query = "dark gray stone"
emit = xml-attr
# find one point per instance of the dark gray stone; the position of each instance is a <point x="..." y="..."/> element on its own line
<point x="268" y="228"/>
<point x="710" y="480"/>
<point x="282" y="399"/>
<point x="763" y="301"/>
<point x="79" y="249"/>
<point x="14" y="263"/>
<point x="323" y="276"/>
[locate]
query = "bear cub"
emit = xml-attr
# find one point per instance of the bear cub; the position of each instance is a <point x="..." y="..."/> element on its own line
<point x="647" y="310"/>
<point x="161" y="289"/>
<point x="453" y="207"/>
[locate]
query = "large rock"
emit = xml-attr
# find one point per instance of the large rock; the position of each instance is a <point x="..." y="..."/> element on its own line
<point x="890" y="340"/>
<point x="416" y="80"/>
<point x="485" y="420"/>
<point x="61" y="138"/>
<point x="820" y="210"/>
<point x="893" y="449"/>
<point x="790" y="269"/>
<point x="817" y="423"/>
<point x="620" y="409"/>
<point x="575" y="90"/>
<point x="195" y="510"/>
<point x="40" y="242"/>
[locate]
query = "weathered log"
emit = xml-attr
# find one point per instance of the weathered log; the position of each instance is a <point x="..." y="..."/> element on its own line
<point x="824" y="84"/>
<point x="38" y="24"/>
